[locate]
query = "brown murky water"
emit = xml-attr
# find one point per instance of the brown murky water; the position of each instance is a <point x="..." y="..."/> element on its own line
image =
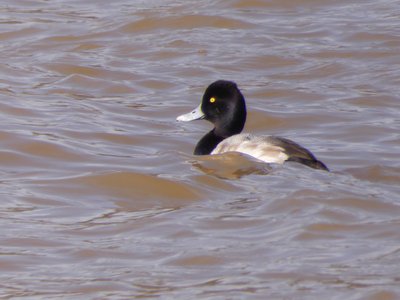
<point x="102" y="199"/>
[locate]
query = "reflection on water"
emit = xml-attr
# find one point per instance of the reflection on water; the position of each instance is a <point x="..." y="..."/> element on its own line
<point x="101" y="197"/>
<point x="230" y="165"/>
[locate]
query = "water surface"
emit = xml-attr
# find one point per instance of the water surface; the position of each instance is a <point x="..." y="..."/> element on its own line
<point x="102" y="199"/>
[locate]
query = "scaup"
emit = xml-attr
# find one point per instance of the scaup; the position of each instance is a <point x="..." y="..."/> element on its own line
<point x="223" y="105"/>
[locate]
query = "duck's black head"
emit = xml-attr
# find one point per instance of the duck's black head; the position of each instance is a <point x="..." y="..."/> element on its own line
<point x="223" y="105"/>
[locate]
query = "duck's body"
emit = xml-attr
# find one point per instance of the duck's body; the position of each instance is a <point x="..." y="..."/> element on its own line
<point x="269" y="149"/>
<point x="260" y="147"/>
<point x="223" y="104"/>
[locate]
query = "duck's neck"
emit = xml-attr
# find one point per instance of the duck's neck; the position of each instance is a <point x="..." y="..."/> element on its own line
<point x="231" y="124"/>
<point x="208" y="143"/>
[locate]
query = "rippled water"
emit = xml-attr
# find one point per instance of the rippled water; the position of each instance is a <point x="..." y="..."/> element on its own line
<point x="102" y="199"/>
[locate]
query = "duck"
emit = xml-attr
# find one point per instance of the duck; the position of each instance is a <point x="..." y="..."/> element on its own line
<point x="224" y="106"/>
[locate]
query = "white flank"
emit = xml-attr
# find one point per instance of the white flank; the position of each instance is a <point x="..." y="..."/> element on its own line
<point x="258" y="147"/>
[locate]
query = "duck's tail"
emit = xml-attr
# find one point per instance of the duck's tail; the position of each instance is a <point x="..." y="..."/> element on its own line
<point x="313" y="163"/>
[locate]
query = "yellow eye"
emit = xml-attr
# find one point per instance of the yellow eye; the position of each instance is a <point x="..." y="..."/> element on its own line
<point x="212" y="99"/>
